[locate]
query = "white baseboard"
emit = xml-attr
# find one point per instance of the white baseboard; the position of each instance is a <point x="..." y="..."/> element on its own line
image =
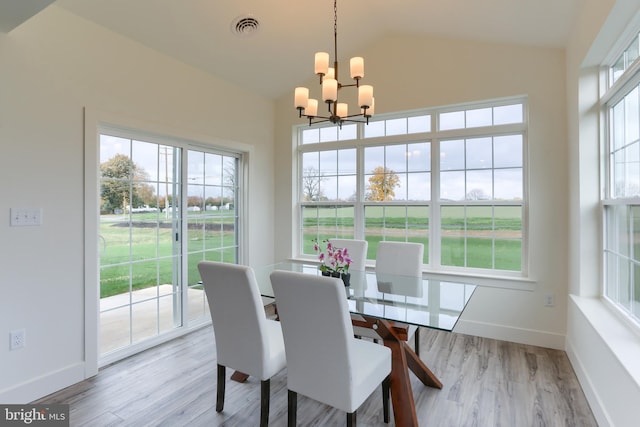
<point x="40" y="387"/>
<point x="508" y="333"/>
<point x="595" y="403"/>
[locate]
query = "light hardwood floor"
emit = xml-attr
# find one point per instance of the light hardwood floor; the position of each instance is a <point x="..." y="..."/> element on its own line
<point x="486" y="383"/>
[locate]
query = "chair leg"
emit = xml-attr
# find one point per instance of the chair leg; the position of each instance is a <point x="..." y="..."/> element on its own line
<point x="351" y="419"/>
<point x="417" y="343"/>
<point x="220" y="392"/>
<point x="265" y="391"/>
<point x="386" y="383"/>
<point x="292" y="414"/>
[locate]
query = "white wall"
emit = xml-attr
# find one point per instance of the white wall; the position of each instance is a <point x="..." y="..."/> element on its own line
<point x="413" y="72"/>
<point x="604" y="351"/>
<point x="52" y="67"/>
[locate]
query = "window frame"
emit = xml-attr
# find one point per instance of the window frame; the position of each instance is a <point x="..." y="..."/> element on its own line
<point x="613" y="91"/>
<point x="433" y="136"/>
<point x="99" y="122"/>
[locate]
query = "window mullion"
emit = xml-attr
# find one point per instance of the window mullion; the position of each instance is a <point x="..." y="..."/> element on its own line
<point x="435" y="225"/>
<point x="358" y="209"/>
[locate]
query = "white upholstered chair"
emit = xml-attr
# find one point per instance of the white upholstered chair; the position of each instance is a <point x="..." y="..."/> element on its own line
<point x="401" y="258"/>
<point x="357" y="250"/>
<point x="246" y="340"/>
<point x="398" y="258"/>
<point x="324" y="360"/>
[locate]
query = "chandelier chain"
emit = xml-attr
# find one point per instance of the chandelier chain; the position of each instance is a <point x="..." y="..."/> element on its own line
<point x="335" y="34"/>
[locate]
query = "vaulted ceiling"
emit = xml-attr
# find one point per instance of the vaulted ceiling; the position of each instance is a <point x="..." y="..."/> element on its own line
<point x="276" y="52"/>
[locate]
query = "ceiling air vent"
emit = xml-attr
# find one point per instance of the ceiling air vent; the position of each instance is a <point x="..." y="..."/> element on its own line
<point x="245" y="26"/>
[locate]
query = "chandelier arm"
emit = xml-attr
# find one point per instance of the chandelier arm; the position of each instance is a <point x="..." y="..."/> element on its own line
<point x="312" y="122"/>
<point x="318" y="117"/>
<point x="364" y="120"/>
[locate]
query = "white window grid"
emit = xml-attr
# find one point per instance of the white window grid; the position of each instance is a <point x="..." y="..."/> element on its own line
<point x="432" y="136"/>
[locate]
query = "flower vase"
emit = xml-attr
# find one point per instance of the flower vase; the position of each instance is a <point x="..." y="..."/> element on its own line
<point x="331" y="274"/>
<point x="346" y="278"/>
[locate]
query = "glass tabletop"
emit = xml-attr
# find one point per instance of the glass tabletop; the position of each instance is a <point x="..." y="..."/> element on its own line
<point x="427" y="302"/>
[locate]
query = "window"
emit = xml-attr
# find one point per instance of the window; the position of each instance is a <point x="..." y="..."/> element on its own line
<point x="624" y="60"/>
<point x="451" y="178"/>
<point x="621" y="202"/>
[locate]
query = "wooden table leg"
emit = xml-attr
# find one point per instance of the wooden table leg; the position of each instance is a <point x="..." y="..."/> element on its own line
<point x="404" y="408"/>
<point x="239" y="376"/>
<point x="418" y="367"/>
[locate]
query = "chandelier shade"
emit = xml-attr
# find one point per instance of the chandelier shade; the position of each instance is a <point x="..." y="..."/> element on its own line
<point x="337" y="112"/>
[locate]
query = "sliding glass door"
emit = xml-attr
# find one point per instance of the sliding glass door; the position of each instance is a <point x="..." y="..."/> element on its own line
<point x="164" y="206"/>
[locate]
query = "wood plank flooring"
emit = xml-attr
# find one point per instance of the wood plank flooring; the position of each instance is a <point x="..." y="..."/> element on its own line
<point x="486" y="383"/>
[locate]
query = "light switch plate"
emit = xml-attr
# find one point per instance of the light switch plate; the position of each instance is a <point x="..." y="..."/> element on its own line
<point x="22" y="217"/>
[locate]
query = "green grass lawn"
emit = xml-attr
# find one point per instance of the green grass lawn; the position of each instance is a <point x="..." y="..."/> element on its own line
<point x="147" y="255"/>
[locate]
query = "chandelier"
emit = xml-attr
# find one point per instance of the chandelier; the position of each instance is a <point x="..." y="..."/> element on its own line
<point x="337" y="112"/>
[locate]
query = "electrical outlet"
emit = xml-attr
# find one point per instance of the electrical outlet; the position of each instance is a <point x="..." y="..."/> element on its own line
<point x="18" y="339"/>
<point x="549" y="300"/>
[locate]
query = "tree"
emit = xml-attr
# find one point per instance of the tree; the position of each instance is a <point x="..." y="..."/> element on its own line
<point x="229" y="179"/>
<point x="147" y="195"/>
<point x="477" y="194"/>
<point x="195" y="201"/>
<point x="382" y="184"/>
<point x="119" y="187"/>
<point x="311" y="179"/>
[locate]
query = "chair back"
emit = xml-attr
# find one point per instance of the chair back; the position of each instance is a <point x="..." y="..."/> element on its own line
<point x="238" y="316"/>
<point x="402" y="258"/>
<point x="318" y="335"/>
<point x="357" y="250"/>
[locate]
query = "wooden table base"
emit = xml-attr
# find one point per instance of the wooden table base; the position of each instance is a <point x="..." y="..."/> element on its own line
<point x="403" y="358"/>
<point x="239" y="376"/>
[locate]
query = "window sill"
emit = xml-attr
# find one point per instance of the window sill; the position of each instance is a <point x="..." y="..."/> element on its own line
<point x="488" y="280"/>
<point x="622" y="338"/>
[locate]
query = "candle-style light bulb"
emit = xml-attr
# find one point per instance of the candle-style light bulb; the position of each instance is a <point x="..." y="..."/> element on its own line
<point x="329" y="90"/>
<point x="312" y="108"/>
<point x="368" y="112"/>
<point x="342" y="110"/>
<point x="301" y="97"/>
<point x="321" y="63"/>
<point x="365" y="95"/>
<point x="357" y="67"/>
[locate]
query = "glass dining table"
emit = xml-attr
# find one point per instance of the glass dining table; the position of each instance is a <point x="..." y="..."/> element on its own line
<point x="389" y="304"/>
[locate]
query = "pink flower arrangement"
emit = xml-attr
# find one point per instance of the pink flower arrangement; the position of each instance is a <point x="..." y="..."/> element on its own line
<point x="333" y="259"/>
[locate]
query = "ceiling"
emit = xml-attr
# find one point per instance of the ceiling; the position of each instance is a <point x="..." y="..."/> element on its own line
<point x="279" y="55"/>
<point x="13" y="13"/>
